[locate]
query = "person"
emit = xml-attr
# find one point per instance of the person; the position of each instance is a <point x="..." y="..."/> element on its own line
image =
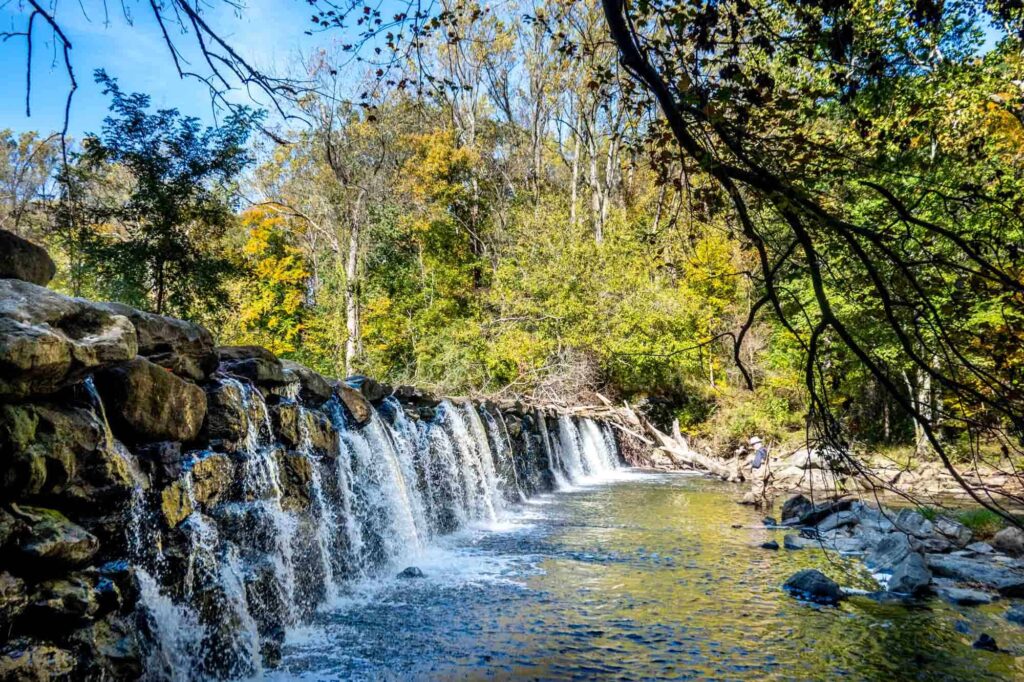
<point x="760" y="452"/>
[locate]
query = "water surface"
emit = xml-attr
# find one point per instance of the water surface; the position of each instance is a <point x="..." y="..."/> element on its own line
<point x="641" y="577"/>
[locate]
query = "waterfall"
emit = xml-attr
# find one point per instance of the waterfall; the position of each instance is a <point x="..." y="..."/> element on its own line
<point x="216" y="605"/>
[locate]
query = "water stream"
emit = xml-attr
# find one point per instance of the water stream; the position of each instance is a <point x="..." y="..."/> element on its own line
<point x="634" y="576"/>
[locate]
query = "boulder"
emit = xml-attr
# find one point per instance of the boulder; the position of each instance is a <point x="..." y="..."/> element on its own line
<point x="304" y="430"/>
<point x="957" y="533"/>
<point x="794" y="542"/>
<point x="359" y="408"/>
<point x="962" y="596"/>
<point x="1007" y="581"/>
<point x="25" y="660"/>
<point x="889" y="552"/>
<point x="313" y="388"/>
<point x="208" y="478"/>
<point x="162" y="461"/>
<point x="1009" y="540"/>
<point x="771" y="544"/>
<point x="296" y="477"/>
<point x="911" y="576"/>
<point x="51" y="539"/>
<point x="412" y="572"/>
<point x="914" y="523"/>
<point x="371" y="389"/>
<point x="63" y="602"/>
<point x="146" y="402"/>
<point x="838" y="520"/>
<point x="813" y="585"/>
<point x="227" y="416"/>
<point x="111" y="649"/>
<point x="48" y="341"/>
<point x="1015" y="614"/>
<point x="255" y="363"/>
<point x="61" y="452"/>
<point x="21" y="259"/>
<point x="795" y="508"/>
<point x="13" y="600"/>
<point x="185" y="348"/>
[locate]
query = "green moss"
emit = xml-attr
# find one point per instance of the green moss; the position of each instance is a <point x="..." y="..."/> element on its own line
<point x="982" y="522"/>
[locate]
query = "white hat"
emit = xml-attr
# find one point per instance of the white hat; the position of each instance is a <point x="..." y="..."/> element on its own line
<point x="754" y="440"/>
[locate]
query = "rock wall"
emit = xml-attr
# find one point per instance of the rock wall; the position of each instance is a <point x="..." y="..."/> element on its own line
<point x="169" y="508"/>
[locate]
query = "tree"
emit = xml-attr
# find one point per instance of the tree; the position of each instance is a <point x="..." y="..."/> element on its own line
<point x="158" y="249"/>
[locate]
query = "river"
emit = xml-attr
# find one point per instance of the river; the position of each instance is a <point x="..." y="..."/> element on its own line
<point x="640" y="576"/>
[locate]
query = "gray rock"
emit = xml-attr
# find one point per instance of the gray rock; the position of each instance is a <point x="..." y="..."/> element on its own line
<point x="313" y="388"/>
<point x="371" y="389"/>
<point x="1015" y="614"/>
<point x="145" y="402"/>
<point x="771" y="544"/>
<point x="255" y="363"/>
<point x="48" y="341"/>
<point x="13" y="600"/>
<point x="979" y="548"/>
<point x="954" y="531"/>
<point x="914" y="523"/>
<point x="815" y="586"/>
<point x="795" y="508"/>
<point x="769" y="522"/>
<point x="412" y="572"/>
<point x="185" y="348"/>
<point x="889" y="553"/>
<point x="962" y="596"/>
<point x="794" y="542"/>
<point x="911" y="576"/>
<point x="21" y="259"/>
<point x="1008" y="581"/>
<point x="1009" y="540"/>
<point x="838" y="520"/>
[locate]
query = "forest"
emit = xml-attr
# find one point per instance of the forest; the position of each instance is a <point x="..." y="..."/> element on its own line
<point x="510" y="216"/>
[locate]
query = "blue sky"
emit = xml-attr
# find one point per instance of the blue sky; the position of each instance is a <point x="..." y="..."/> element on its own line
<point x="269" y="33"/>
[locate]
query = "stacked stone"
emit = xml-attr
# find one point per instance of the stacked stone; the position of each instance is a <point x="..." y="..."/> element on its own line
<point x="101" y="405"/>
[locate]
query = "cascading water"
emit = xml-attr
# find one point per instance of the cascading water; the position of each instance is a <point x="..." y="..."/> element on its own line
<point x="387" y="488"/>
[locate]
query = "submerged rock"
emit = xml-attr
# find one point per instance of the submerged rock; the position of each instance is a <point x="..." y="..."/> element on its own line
<point x="986" y="642"/>
<point x="146" y="402"/>
<point x="1015" y="614"/>
<point x="21" y="259"/>
<point x="962" y="596"/>
<point x="412" y="572"/>
<point x="815" y="586"/>
<point x="911" y="576"/>
<point x="48" y="341"/>
<point x="771" y="544"/>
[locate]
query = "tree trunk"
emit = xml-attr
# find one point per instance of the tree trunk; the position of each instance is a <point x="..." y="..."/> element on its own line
<point x="352" y="342"/>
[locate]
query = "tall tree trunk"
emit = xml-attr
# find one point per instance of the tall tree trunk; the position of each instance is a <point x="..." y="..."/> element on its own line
<point x="352" y="343"/>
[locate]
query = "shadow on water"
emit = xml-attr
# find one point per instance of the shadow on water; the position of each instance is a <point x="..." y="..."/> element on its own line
<point x="637" y="579"/>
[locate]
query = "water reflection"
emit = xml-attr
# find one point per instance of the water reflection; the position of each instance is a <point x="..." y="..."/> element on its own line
<point x="642" y="578"/>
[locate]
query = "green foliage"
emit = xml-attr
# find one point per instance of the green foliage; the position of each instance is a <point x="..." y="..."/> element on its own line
<point x="153" y="243"/>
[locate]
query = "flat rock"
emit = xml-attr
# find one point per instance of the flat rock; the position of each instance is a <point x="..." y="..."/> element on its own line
<point x="963" y="596"/>
<point x="838" y="520"/>
<point x="1007" y="581"/>
<point x="146" y="402"/>
<point x="53" y="539"/>
<point x="48" y="341"/>
<point x="21" y="259"/>
<point x="979" y="548"/>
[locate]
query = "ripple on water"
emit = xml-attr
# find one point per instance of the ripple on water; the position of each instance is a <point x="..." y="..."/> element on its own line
<point x="640" y="577"/>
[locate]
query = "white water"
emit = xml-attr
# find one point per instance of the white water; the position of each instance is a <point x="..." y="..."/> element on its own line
<point x="382" y="503"/>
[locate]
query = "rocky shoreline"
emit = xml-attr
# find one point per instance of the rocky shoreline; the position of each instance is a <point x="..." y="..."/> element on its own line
<point x="910" y="556"/>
